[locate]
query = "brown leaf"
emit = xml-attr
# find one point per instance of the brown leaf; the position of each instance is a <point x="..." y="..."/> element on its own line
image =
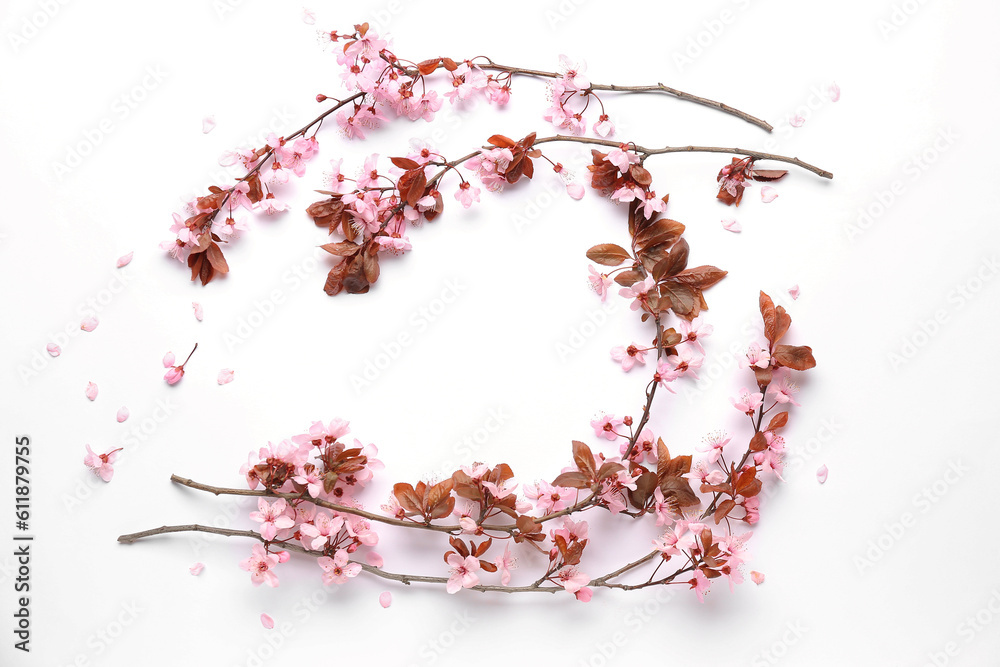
<point x="767" y="175"/>
<point x="335" y="279"/>
<point x="701" y="277"/>
<point x="427" y="67"/>
<point x="573" y="480"/>
<point x="501" y="141"/>
<point x="770" y="316"/>
<point x="758" y="442"/>
<point x="584" y="459"/>
<point x="723" y="510"/>
<point x="341" y="249"/>
<point x="405" y="163"/>
<point x="215" y="256"/>
<point x="608" y="254"/>
<point x="777" y="421"/>
<point x="798" y="357"/>
<point x="640" y="175"/>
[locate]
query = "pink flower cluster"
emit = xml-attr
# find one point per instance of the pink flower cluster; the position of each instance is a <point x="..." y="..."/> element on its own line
<point x="570" y="97"/>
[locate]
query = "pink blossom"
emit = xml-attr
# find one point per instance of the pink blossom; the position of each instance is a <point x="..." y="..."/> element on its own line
<point x="747" y="401"/>
<point x="822" y="474"/>
<point x="599" y="282"/>
<point x="385" y="599"/>
<point x="756" y="356"/>
<point x="501" y="490"/>
<point x="638" y="291"/>
<point x="652" y="204"/>
<point x="225" y="376"/>
<point x="267" y="621"/>
<point x="196" y="569"/>
<point x="466" y="194"/>
<point x="645" y="447"/>
<point x="752" y="507"/>
<point x="628" y="193"/>
<point x="89" y="323"/>
<point x="629" y="356"/>
<point x="622" y="158"/>
<point x="783" y="390"/>
<point x="272" y="517"/>
<point x="713" y="443"/>
<point x="505" y="563"/>
<point x="101" y="463"/>
<point x="548" y="498"/>
<point x="570" y="578"/>
<point x="199" y="312"/>
<point x="124" y="260"/>
<point x="320" y="433"/>
<point x="694" y="330"/>
<point x="768" y="194"/>
<point x="338" y="570"/>
<point x="665" y="373"/>
<point x="53" y="349"/>
<point x="731" y="225"/>
<point x="175" y="373"/>
<point x="463" y="572"/>
<point x="686" y="362"/>
<point x="260" y="565"/>
<point x="573" y="73"/>
<point x="604" y="127"/>
<point x="662" y="508"/>
<point x="700" y="583"/>
<point x="122" y="415"/>
<point x="318" y="534"/>
<point x="584" y="594"/>
<point x="605" y="425"/>
<point x="91" y="391"/>
<point x="271" y="204"/>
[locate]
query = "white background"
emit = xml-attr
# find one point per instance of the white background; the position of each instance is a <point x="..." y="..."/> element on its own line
<point x="847" y="581"/>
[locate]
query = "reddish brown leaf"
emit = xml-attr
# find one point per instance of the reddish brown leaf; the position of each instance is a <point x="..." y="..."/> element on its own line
<point x="777" y="421"/>
<point x="608" y="254"/>
<point x="798" y="357"/>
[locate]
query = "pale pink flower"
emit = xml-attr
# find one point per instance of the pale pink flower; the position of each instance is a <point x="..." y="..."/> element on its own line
<point x="747" y="401"/>
<point x="207" y="124"/>
<point x="199" y="312"/>
<point x="599" y="282"/>
<point x="768" y="194"/>
<point x="694" y="330"/>
<point x="573" y="73"/>
<point x="548" y="498"/>
<point x="570" y="578"/>
<point x="225" y="376"/>
<point x="196" y="569"/>
<point x="463" y="572"/>
<point x="338" y="570"/>
<point x="501" y="490"/>
<point x="783" y="390"/>
<point x="467" y="194"/>
<point x="638" y="291"/>
<point x="662" y="508"/>
<point x="320" y="433"/>
<point x="89" y="323"/>
<point x="316" y="535"/>
<point x="752" y="507"/>
<point x="91" y="391"/>
<point x="272" y="517"/>
<point x="604" y="127"/>
<point x="652" y="204"/>
<point x="605" y="425"/>
<point x="665" y="373"/>
<point x="267" y="621"/>
<point x="794" y="292"/>
<point x="622" y="158"/>
<point x="271" y="204"/>
<point x="822" y="474"/>
<point x="385" y="599"/>
<point x="260" y="565"/>
<point x="756" y="356"/>
<point x="629" y="356"/>
<point x="628" y="193"/>
<point x="757" y="577"/>
<point x="686" y="362"/>
<point x="122" y="415"/>
<point x="713" y="444"/>
<point x="731" y="225"/>
<point x="700" y="583"/>
<point x="124" y="260"/>
<point x="175" y="373"/>
<point x="101" y="463"/>
<point x="505" y="563"/>
<point x="53" y="349"/>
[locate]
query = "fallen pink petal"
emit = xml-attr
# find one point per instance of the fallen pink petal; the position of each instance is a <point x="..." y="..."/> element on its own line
<point x="199" y="312"/>
<point x="266" y="621"/>
<point x="122" y="414"/>
<point x="793" y="292"/>
<point x="796" y="121"/>
<point x="225" y="376"/>
<point x="91" y="391"/>
<point x="196" y="569"/>
<point x="385" y="599"/>
<point x="53" y="349"/>
<point x="768" y="194"/>
<point x="757" y="577"/>
<point x="123" y="260"/>
<point x="822" y="474"/>
<point x="89" y="323"/>
<point x="308" y="16"/>
<point x="575" y="190"/>
<point x="168" y="359"/>
<point x="374" y="559"/>
<point x="731" y="225"/>
<point x="207" y="124"/>
<point x="834" y="92"/>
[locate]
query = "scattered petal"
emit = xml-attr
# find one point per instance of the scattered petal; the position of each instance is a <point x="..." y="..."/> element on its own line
<point x="53" y="349"/>
<point x="207" y="124"/>
<point x="308" y="16"/>
<point x="822" y="473"/>
<point x="122" y="414"/>
<point x="833" y="90"/>
<point x="196" y="569"/>
<point x="199" y="312"/>
<point x="757" y="577"/>
<point x="225" y="376"/>
<point x="124" y="260"/>
<point x="575" y="190"/>
<point x="385" y="599"/>
<point x="793" y="292"/>
<point x="266" y="621"/>
<point x="731" y="225"/>
<point x="796" y="121"/>
<point x="768" y="194"/>
<point x="283" y="556"/>
<point x="89" y="323"/>
<point x="91" y="391"/>
<point x="374" y="559"/>
<point x="168" y="359"/>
